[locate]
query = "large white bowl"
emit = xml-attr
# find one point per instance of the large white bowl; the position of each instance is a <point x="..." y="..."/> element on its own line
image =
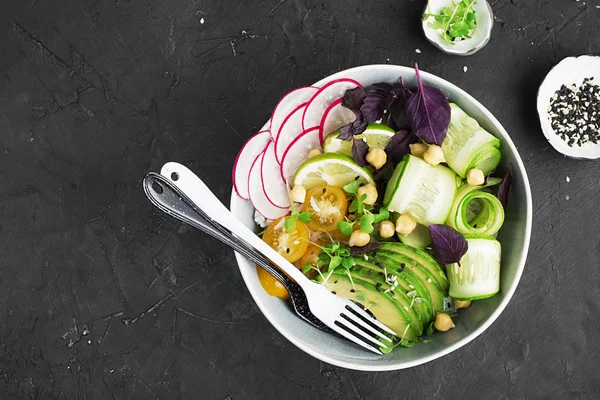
<point x="470" y="323"/>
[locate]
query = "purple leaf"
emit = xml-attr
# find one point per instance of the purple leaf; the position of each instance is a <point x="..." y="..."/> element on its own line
<point x="353" y="100"/>
<point x="359" y="152"/>
<point x="398" y="107"/>
<point x="374" y="105"/>
<point x="354" y="128"/>
<point x="428" y="111"/>
<point x="399" y="145"/>
<point x="448" y="244"/>
<point x="504" y="188"/>
<point x="372" y="245"/>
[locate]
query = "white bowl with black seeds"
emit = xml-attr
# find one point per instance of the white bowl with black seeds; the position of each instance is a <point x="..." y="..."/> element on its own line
<point x="568" y="105"/>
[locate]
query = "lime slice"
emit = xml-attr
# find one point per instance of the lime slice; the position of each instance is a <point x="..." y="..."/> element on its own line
<point x="330" y="169"/>
<point x="376" y="135"/>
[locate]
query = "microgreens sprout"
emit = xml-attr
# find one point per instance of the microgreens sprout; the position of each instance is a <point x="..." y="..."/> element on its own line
<point x="290" y="224"/>
<point x="456" y="21"/>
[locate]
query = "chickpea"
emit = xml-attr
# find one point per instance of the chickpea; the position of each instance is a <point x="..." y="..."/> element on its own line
<point x="371" y="191"/>
<point x="359" y="238"/>
<point x="298" y="194"/>
<point x="314" y="153"/>
<point x="443" y="322"/>
<point x="434" y="155"/>
<point x="462" y="303"/>
<point x="387" y="229"/>
<point x="418" y="149"/>
<point x="405" y="224"/>
<point x="376" y="157"/>
<point x="475" y="177"/>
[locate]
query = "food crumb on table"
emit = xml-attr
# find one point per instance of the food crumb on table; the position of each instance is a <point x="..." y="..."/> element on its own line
<point x="465" y="68"/>
<point x="418" y="51"/>
<point x="568" y="179"/>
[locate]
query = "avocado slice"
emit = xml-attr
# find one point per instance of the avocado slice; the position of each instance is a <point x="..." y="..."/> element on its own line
<point x="399" y="293"/>
<point x="375" y="275"/>
<point x="381" y="305"/>
<point x="421" y="257"/>
<point x="396" y="261"/>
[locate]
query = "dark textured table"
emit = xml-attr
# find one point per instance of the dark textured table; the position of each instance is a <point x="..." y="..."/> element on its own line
<point x="102" y="296"/>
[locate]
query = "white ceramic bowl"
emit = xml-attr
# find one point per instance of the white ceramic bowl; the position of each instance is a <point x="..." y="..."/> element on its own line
<point x="570" y="71"/>
<point x="470" y="323"/>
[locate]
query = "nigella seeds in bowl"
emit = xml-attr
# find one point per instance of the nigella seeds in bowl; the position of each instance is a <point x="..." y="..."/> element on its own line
<point x="574" y="113"/>
<point x="569" y="107"/>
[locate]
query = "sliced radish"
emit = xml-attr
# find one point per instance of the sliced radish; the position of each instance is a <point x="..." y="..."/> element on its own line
<point x="297" y="153"/>
<point x="290" y="130"/>
<point x="274" y="187"/>
<point x="257" y="195"/>
<point x="334" y="118"/>
<point x="241" y="167"/>
<point x="322" y="99"/>
<point x="287" y="104"/>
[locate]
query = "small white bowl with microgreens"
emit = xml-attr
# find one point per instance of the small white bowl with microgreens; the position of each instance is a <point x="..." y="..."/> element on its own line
<point x="568" y="105"/>
<point x="458" y="27"/>
<point x="395" y="189"/>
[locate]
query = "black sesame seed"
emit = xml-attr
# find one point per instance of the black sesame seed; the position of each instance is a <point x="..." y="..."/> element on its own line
<point x="352" y="290"/>
<point x="574" y="113"/>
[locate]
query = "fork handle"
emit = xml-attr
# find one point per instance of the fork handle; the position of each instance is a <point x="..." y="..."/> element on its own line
<point x="205" y="199"/>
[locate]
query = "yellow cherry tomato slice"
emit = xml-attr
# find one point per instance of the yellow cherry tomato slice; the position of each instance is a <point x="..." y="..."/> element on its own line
<point x="291" y="245"/>
<point x="311" y="257"/>
<point x="271" y="285"/>
<point x="327" y="206"/>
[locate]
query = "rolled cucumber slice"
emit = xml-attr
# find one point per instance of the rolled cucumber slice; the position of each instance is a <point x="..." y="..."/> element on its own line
<point x="478" y="275"/>
<point x="467" y="145"/>
<point x="476" y="212"/>
<point x="423" y="191"/>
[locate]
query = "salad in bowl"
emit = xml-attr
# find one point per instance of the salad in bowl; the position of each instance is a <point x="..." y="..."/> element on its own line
<point x="385" y="189"/>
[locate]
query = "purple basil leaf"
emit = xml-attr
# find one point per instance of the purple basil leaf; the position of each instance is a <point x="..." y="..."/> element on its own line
<point x="399" y="145"/>
<point x="448" y="244"/>
<point x="372" y="245"/>
<point x="428" y="112"/>
<point x="359" y="152"/>
<point x="398" y="106"/>
<point x="376" y="102"/>
<point x="383" y="175"/>
<point x="353" y="100"/>
<point x="354" y="128"/>
<point x="504" y="188"/>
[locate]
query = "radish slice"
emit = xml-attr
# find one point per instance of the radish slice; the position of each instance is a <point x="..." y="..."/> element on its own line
<point x="334" y="118"/>
<point x="274" y="187"/>
<point x="241" y="167"/>
<point x="287" y="104"/>
<point x="323" y="99"/>
<point x="257" y="195"/>
<point x="297" y="153"/>
<point x="290" y="129"/>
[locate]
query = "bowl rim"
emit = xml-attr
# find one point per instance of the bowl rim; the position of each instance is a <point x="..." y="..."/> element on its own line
<point x="392" y="366"/>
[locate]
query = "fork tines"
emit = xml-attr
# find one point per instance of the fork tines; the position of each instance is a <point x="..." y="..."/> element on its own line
<point x="356" y="325"/>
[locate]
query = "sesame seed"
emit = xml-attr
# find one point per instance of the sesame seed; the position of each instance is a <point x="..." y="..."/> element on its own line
<point x="568" y="179"/>
<point x="574" y="113"/>
<point x="418" y="51"/>
<point x="465" y="68"/>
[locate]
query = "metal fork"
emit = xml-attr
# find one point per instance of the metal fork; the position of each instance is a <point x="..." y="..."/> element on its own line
<point x="341" y="315"/>
<point x="168" y="198"/>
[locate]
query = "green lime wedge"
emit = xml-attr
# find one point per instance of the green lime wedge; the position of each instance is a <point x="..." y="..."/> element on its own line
<point x="376" y="135"/>
<point x="330" y="169"/>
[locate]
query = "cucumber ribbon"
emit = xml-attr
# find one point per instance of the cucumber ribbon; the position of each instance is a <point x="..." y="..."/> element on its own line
<point x="475" y="211"/>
